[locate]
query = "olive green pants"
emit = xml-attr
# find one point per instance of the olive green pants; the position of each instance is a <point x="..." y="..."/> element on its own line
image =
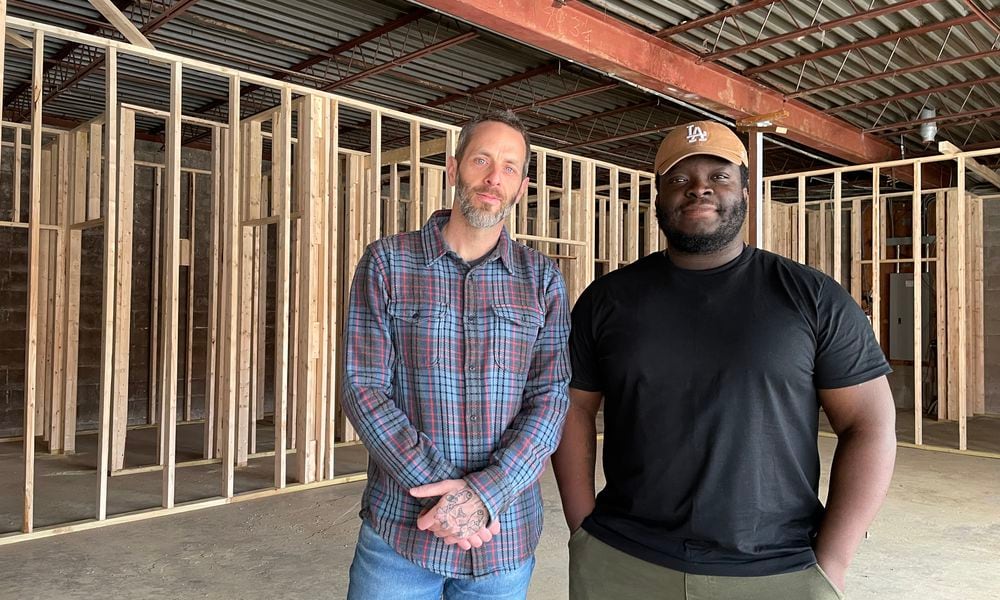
<point x="599" y="572"/>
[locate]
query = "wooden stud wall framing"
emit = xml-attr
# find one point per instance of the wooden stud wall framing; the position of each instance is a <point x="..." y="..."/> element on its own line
<point x="955" y="257"/>
<point x="590" y="216"/>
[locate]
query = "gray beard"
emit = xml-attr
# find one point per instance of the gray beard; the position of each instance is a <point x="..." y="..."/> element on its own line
<point x="477" y="217"/>
<point x="729" y="228"/>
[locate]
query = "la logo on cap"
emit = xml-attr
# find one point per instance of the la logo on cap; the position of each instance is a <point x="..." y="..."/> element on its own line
<point x="696" y="134"/>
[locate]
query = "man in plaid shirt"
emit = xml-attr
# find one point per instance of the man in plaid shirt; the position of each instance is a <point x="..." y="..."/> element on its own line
<point x="456" y="380"/>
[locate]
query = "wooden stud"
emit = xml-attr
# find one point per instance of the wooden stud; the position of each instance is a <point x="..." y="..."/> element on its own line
<point x="766" y="229"/>
<point x="281" y="169"/>
<point x="953" y="274"/>
<point x="44" y="284"/>
<point x="918" y="306"/>
<point x="293" y="351"/>
<point x="231" y="285"/>
<point x="451" y="142"/>
<point x="632" y="237"/>
<point x="856" y="249"/>
<point x="56" y="420"/>
<point x="415" y="208"/>
<point x="31" y="335"/>
<point x="95" y="155"/>
<point x="322" y="263"/>
<point x="16" y="172"/>
<point x="260" y="327"/>
<point x="76" y="212"/>
<point x="962" y="314"/>
<point x="589" y="171"/>
<point x="110" y="260"/>
<point x="941" y="289"/>
<point x="123" y="287"/>
<point x="838" y="228"/>
<point x="338" y="425"/>
<point x="211" y="364"/>
<point x="192" y="190"/>
<point x="567" y="205"/>
<point x="652" y="226"/>
<point x="876" y="255"/>
<point x="152" y="413"/>
<point x="171" y="281"/>
<point x="542" y="201"/>
<point x="392" y="209"/>
<point x="614" y="223"/>
<point x="823" y="251"/>
<point x="311" y="192"/>
<point x="246" y="407"/>
<point x="801" y="252"/>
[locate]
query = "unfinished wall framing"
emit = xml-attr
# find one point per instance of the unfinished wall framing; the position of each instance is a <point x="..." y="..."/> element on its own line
<point x="276" y="213"/>
<point x="839" y="230"/>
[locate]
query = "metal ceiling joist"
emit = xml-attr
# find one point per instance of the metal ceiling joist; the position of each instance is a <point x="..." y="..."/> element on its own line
<point x="895" y="73"/>
<point x="882" y="39"/>
<point x="584" y="35"/>
<point x="991" y="113"/>
<point x="818" y="28"/>
<point x="617" y="138"/>
<point x="984" y="16"/>
<point x="918" y="93"/>
<point x="732" y="11"/>
<point x="95" y="60"/>
<point x="517" y="77"/>
<point x="564" y="97"/>
<point x="402" y="60"/>
<point x="329" y="54"/>
<point x="595" y="116"/>
<point x="67" y="49"/>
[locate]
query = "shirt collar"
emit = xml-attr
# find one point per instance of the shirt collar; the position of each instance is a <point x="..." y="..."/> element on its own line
<point x="435" y="247"/>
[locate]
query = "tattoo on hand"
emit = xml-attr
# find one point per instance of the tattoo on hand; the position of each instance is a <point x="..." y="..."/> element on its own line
<point x="461" y="514"/>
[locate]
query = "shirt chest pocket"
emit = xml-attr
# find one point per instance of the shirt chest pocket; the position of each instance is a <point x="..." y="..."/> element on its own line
<point x="418" y="329"/>
<point x="515" y="330"/>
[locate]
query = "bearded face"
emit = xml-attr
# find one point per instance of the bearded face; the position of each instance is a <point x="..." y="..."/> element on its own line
<point x="702" y="204"/>
<point x="478" y="205"/>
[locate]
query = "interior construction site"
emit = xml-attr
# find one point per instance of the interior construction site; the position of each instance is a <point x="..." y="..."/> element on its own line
<point x="187" y="186"/>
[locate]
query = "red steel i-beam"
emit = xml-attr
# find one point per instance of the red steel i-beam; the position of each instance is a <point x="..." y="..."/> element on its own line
<point x="585" y="35"/>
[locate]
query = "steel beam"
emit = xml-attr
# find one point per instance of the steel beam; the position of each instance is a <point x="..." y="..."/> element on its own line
<point x="585" y="35"/>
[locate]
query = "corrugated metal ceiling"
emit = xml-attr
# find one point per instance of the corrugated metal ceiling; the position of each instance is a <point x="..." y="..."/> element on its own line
<point x="298" y="41"/>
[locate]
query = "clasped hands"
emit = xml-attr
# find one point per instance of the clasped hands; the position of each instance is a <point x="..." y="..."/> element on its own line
<point x="459" y="517"/>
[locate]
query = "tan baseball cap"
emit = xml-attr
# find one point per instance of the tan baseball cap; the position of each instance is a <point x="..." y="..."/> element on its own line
<point x="700" y="137"/>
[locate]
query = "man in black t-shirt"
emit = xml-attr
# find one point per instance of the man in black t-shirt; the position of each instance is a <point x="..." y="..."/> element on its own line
<point x="713" y="359"/>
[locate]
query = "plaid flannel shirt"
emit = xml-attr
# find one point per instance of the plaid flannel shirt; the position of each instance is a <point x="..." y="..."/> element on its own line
<point x="456" y="372"/>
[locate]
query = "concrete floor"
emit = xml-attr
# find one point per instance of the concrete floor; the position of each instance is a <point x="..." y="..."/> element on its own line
<point x="936" y="538"/>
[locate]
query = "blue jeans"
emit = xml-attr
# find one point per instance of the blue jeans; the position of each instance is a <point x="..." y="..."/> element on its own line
<point x="379" y="573"/>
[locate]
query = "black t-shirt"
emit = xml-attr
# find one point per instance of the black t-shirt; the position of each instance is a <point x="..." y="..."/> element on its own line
<point x="710" y="406"/>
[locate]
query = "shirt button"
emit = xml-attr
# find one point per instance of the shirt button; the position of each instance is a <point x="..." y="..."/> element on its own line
<point x="472" y="367"/>
<point x="473" y="418"/>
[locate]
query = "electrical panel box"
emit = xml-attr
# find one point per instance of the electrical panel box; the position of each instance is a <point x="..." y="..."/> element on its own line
<point x="901" y="314"/>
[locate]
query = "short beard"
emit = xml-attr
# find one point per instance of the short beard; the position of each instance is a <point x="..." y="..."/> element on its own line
<point x="730" y="226"/>
<point x="478" y="217"/>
